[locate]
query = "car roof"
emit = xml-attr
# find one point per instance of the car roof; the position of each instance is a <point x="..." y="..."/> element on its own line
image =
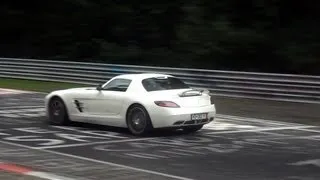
<point x="141" y="76"/>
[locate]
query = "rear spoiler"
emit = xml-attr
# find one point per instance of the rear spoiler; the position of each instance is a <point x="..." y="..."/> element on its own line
<point x="194" y="92"/>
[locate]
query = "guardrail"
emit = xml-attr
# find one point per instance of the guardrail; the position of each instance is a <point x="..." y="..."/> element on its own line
<point x="283" y="87"/>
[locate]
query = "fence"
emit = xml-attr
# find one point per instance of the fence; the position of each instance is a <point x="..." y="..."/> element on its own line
<point x="284" y="87"/>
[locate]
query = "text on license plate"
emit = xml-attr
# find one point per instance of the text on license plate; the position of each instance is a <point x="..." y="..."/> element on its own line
<point x="198" y="116"/>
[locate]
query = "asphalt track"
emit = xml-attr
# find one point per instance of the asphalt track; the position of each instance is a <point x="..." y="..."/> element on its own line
<point x="256" y="140"/>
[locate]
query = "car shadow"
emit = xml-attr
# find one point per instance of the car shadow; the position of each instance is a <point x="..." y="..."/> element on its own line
<point x="164" y="132"/>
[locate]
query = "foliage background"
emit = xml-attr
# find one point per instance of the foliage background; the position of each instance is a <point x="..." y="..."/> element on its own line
<point x="248" y="35"/>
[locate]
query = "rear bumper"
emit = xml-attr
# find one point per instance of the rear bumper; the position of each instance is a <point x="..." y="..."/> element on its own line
<point x="178" y="117"/>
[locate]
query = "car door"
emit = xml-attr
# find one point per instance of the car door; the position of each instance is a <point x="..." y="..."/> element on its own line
<point x="109" y="100"/>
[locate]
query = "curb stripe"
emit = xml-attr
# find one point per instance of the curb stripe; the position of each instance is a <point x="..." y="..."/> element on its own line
<point x="29" y="172"/>
<point x="14" y="168"/>
<point x="48" y="176"/>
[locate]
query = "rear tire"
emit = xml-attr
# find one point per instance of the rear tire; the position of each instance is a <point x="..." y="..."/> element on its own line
<point x="138" y="120"/>
<point x="192" y="129"/>
<point x="57" y="110"/>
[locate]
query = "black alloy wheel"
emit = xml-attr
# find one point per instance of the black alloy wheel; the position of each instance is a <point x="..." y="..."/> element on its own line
<point x="138" y="120"/>
<point x="57" y="112"/>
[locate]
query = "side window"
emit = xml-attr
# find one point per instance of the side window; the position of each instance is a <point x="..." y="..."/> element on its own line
<point x="117" y="85"/>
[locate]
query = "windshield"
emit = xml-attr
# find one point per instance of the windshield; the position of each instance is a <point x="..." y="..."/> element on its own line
<point x="163" y="83"/>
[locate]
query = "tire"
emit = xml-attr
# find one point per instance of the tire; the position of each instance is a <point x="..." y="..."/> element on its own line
<point x="57" y="112"/>
<point x="192" y="129"/>
<point x="138" y="120"/>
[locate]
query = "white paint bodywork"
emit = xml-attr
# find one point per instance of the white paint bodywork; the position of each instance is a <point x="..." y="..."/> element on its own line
<point x="108" y="107"/>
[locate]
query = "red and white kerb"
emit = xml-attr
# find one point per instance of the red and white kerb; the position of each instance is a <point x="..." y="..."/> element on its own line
<point x="13" y="168"/>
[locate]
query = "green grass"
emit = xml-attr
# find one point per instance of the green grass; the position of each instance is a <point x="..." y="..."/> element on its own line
<point x="33" y="85"/>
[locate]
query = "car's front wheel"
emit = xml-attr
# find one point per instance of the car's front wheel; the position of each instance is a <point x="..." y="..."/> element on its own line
<point x="138" y="120"/>
<point x="57" y="112"/>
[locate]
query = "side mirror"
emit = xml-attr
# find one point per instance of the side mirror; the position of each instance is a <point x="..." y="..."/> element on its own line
<point x="99" y="87"/>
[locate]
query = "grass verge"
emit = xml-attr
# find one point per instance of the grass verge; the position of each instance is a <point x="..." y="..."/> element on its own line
<point x="34" y="85"/>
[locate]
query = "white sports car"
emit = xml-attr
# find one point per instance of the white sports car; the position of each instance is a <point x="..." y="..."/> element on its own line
<point x="139" y="102"/>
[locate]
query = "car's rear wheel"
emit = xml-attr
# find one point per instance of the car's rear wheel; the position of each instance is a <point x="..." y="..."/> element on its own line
<point x="138" y="120"/>
<point x="57" y="112"/>
<point x="191" y="129"/>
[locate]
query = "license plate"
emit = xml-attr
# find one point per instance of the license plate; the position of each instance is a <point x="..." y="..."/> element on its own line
<point x="198" y="116"/>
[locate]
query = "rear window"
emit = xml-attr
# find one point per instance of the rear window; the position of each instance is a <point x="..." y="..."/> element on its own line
<point x="163" y="83"/>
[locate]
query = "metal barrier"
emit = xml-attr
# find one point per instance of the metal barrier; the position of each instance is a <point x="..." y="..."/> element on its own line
<point x="284" y="87"/>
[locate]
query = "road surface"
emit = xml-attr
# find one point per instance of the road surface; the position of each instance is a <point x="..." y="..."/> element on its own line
<point x="249" y="140"/>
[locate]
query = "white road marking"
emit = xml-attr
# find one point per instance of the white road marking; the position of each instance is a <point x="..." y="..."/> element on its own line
<point x="139" y="156"/>
<point x="315" y="162"/>
<point x="88" y="132"/>
<point x="150" y="155"/>
<point x="310" y="130"/>
<point x="265" y="121"/>
<point x="252" y="142"/>
<point x="99" y="161"/>
<point x="313" y="138"/>
<point x="217" y="125"/>
<point x="20" y="107"/>
<point x="175" y="153"/>
<point x="4" y="91"/>
<point x="301" y="129"/>
<point x="22" y="110"/>
<point x="268" y="140"/>
<point x="3" y="134"/>
<point x="11" y="103"/>
<point x="261" y="129"/>
<point x="10" y="115"/>
<point x="94" y="143"/>
<point x="20" y="113"/>
<point x="276" y="134"/>
<point x="48" y="176"/>
<point x="189" y="151"/>
<point x="280" y="136"/>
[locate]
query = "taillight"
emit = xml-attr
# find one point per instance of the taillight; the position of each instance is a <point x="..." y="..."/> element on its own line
<point x="167" y="104"/>
<point x="211" y="100"/>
